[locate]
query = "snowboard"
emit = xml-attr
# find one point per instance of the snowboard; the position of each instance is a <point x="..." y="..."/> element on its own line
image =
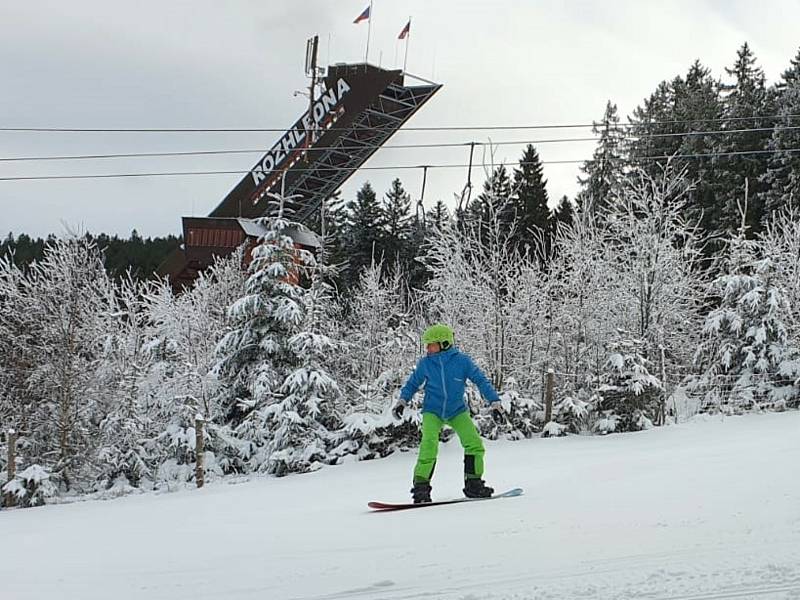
<point x="387" y="506"/>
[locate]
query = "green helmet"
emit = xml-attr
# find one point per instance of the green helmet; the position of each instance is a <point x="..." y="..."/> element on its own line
<point x="439" y="333"/>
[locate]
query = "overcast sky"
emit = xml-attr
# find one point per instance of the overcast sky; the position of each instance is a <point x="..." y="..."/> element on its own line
<point x="234" y="64"/>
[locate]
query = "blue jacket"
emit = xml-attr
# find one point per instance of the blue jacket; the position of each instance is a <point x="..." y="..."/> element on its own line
<point x="445" y="376"/>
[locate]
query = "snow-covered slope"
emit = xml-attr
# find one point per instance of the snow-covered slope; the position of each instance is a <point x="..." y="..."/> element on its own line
<point x="709" y="509"/>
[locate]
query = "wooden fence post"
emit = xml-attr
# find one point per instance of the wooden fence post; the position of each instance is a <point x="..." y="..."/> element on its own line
<point x="548" y="395"/>
<point x="663" y="419"/>
<point x="199" y="450"/>
<point x="12" y="463"/>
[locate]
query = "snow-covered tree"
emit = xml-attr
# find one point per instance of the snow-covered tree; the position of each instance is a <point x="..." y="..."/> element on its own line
<point x="630" y="396"/>
<point x="70" y="296"/>
<point x="659" y="283"/>
<point x="380" y="343"/>
<point x="580" y="296"/>
<point x="20" y="333"/>
<point x="270" y="405"/>
<point x="305" y="419"/>
<point x="747" y="359"/>
<point x="381" y="346"/>
<point x="126" y="447"/>
<point x="184" y="331"/>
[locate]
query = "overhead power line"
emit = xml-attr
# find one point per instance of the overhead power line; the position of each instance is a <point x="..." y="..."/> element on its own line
<point x="385" y="146"/>
<point x="432" y="128"/>
<point x="395" y="167"/>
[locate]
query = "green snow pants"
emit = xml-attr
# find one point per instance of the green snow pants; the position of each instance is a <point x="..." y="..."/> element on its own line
<point x="429" y="446"/>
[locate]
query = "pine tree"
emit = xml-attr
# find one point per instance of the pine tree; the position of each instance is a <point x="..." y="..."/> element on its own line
<point x="562" y="216"/>
<point x="603" y="173"/>
<point x="698" y="107"/>
<point x="653" y="129"/>
<point x="782" y="179"/>
<point x="747" y="358"/>
<point x="530" y="205"/>
<point x="744" y="107"/>
<point x="254" y="356"/>
<point x="304" y="419"/>
<point x="364" y="233"/>
<point x="271" y="359"/>
<point x="439" y="216"/>
<point x="494" y="207"/>
<point x="396" y="222"/>
<point x="630" y="394"/>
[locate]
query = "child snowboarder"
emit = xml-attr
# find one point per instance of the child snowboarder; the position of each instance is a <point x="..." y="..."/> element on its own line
<point x="444" y="372"/>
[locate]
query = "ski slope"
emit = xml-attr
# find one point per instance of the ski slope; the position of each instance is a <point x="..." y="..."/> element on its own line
<point x="704" y="510"/>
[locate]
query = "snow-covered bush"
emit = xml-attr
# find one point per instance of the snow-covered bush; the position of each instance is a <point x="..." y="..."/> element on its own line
<point x="574" y="412"/>
<point x="31" y="487"/>
<point x="369" y="435"/>
<point x="630" y="397"/>
<point x="522" y="416"/>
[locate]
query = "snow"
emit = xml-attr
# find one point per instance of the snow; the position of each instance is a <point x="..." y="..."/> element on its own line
<point x="705" y="509"/>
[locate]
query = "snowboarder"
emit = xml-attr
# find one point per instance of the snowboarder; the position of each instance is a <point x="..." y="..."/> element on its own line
<point x="444" y="372"/>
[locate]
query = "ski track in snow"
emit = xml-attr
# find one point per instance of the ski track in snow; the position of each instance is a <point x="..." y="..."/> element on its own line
<point x="701" y="511"/>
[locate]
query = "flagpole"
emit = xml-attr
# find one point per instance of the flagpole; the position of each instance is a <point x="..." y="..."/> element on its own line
<point x="408" y="41"/>
<point x="369" y="32"/>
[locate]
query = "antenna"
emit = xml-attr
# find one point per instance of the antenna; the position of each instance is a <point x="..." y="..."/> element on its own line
<point x="311" y="69"/>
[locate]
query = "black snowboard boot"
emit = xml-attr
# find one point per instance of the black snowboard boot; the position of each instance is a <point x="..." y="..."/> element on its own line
<point x="421" y="492"/>
<point x="477" y="488"/>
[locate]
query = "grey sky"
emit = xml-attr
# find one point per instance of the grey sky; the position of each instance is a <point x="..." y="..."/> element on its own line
<point x="212" y="64"/>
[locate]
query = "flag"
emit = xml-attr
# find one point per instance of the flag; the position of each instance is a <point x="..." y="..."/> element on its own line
<point x="364" y="16"/>
<point x="405" y="32"/>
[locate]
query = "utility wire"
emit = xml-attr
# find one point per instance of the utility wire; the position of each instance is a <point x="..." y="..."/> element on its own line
<point x="435" y="128"/>
<point x="395" y="167"/>
<point x="386" y="146"/>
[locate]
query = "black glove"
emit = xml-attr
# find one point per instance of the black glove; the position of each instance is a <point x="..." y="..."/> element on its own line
<point x="498" y="412"/>
<point x="398" y="409"/>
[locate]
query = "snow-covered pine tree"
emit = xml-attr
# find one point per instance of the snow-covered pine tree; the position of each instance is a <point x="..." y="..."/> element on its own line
<point x="304" y="421"/>
<point x="258" y="362"/>
<point x="630" y="396"/>
<point x="747" y="359"/>
<point x="439" y="216"/>
<point x="697" y="107"/>
<point x="562" y="216"/>
<point x="781" y="242"/>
